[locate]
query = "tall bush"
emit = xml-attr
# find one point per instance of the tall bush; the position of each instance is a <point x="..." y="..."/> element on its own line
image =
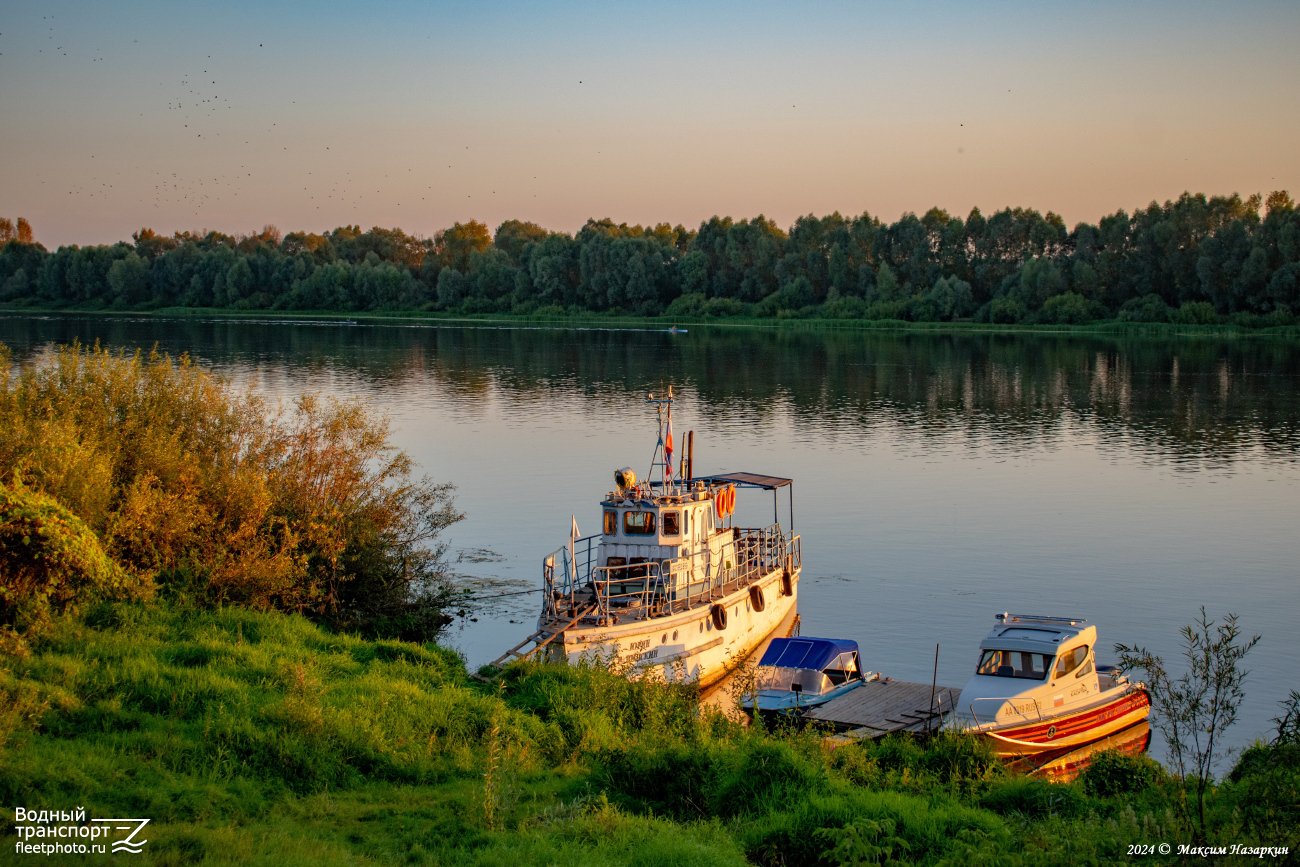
<point x="1195" y="709"/>
<point x="193" y="483"/>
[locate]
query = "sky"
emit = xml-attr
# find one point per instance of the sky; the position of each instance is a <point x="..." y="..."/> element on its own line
<point x="187" y="116"/>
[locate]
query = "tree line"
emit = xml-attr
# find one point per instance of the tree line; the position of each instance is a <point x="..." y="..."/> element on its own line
<point x="1194" y="260"/>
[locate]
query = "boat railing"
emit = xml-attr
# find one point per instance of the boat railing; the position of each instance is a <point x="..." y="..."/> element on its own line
<point x="1015" y="702"/>
<point x="657" y="587"/>
<point x="565" y="573"/>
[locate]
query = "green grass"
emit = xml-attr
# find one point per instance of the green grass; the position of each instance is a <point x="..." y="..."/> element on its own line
<point x="261" y="738"/>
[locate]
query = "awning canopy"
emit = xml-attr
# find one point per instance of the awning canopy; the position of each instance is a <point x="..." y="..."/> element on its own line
<point x="814" y="653"/>
<point x="745" y="480"/>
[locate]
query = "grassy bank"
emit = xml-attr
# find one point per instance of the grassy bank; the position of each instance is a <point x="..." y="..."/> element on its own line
<point x="259" y="737"/>
<point x="1106" y="327"/>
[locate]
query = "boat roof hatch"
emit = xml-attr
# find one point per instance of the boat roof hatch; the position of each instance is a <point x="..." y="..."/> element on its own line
<point x="814" y="653"/>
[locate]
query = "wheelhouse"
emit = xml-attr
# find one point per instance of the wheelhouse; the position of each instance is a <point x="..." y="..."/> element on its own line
<point x="1029" y="665"/>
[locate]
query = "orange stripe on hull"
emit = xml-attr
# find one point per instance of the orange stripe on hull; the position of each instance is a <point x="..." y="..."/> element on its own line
<point x="1071" y="729"/>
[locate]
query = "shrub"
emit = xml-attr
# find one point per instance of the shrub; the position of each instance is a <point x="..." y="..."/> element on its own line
<point x="1288" y="722"/>
<point x="207" y="490"/>
<point x="672" y="780"/>
<point x="1006" y="311"/>
<point x="1194" y="711"/>
<point x="769" y="774"/>
<point x="951" y="757"/>
<point x="1195" y="313"/>
<point x="49" y="561"/>
<point x="1266" y="789"/>
<point x="886" y="310"/>
<point x="1068" y="308"/>
<point x="1282" y="316"/>
<point x="845" y="308"/>
<point x="1112" y="773"/>
<point x="1032" y="797"/>
<point x="1148" y="308"/>
<point x="952" y="297"/>
<point x="719" y="308"/>
<point x="689" y="305"/>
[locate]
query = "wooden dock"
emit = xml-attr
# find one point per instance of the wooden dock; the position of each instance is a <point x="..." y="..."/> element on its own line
<point x="881" y="707"/>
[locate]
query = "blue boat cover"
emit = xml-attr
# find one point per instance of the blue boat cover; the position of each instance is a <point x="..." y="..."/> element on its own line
<point x="814" y="653"/>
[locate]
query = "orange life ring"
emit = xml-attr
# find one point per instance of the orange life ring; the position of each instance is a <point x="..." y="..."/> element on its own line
<point x="720" y="502"/>
<point x="731" y="499"/>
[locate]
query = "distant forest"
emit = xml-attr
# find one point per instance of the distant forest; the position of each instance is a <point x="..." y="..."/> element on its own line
<point x="1196" y="260"/>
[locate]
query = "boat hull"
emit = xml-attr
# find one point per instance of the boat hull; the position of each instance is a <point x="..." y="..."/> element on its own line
<point x="684" y="646"/>
<point x="1115" y="711"/>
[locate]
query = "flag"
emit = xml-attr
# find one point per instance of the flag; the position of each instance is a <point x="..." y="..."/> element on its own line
<point x="668" y="449"/>
<point x="574" y="536"/>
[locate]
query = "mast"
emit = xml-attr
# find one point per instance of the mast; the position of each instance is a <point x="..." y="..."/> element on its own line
<point x="664" y="446"/>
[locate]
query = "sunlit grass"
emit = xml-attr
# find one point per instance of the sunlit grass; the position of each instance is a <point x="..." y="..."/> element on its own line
<point x="260" y="737"/>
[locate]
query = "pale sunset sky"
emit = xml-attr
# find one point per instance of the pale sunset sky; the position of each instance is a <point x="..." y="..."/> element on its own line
<point x="227" y="116"/>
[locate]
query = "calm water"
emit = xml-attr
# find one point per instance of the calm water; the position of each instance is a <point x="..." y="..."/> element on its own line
<point x="937" y="479"/>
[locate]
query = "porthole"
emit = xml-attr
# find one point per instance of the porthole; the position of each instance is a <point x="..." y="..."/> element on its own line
<point x="674" y="635"/>
<point x="701" y="626"/>
<point x="664" y="640"/>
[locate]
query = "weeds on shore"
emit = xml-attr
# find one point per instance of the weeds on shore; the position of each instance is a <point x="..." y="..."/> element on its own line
<point x="260" y="737"/>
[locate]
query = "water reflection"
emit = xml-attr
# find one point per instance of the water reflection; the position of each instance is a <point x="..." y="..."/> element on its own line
<point x="1202" y="402"/>
<point x="1063" y="766"/>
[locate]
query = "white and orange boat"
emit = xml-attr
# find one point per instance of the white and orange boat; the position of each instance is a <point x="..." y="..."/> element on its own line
<point x="1037" y="688"/>
<point x="672" y="584"/>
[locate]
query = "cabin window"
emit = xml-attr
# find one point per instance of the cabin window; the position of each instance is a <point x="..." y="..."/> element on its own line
<point x="611" y="523"/>
<point x="638" y="523"/>
<point x="1071" y="659"/>
<point x="672" y="524"/>
<point x="1014" y="663"/>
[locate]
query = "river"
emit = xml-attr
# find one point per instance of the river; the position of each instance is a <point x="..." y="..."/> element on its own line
<point x="938" y="478"/>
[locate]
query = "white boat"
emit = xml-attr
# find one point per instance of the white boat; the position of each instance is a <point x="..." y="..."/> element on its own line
<point x="670" y="585"/>
<point x="1036" y="688"/>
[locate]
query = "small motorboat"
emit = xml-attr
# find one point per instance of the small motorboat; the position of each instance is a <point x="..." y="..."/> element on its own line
<point x="1037" y="688"/>
<point x="798" y="673"/>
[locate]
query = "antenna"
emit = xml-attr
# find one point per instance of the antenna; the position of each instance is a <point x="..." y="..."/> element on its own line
<point x="662" y="456"/>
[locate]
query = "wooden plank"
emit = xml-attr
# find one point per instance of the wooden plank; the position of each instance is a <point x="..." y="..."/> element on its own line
<point x="884" y="706"/>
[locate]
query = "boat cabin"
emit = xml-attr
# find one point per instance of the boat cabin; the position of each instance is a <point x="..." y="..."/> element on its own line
<point x="681" y="534"/>
<point x="1031" y="667"/>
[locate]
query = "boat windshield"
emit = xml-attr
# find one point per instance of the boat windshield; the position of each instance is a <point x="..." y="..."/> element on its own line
<point x="842" y="668"/>
<point x="1014" y="663"/>
<point x="805" y="680"/>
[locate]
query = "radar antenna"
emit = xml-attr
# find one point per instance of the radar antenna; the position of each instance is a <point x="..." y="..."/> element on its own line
<point x="663" y="453"/>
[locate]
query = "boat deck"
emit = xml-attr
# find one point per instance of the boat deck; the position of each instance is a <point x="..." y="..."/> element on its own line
<point x="881" y="707"/>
